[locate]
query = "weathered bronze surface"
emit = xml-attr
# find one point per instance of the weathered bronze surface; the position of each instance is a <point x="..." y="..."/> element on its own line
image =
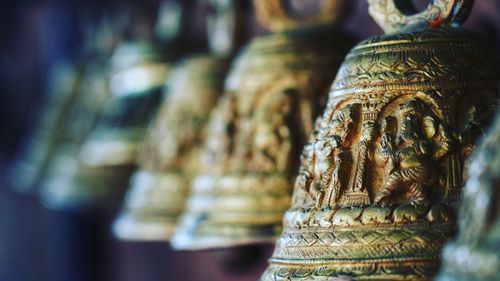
<point x="170" y="153"/>
<point x="87" y="173"/>
<point x="474" y="255"/>
<point x="382" y="172"/>
<point x="274" y="91"/>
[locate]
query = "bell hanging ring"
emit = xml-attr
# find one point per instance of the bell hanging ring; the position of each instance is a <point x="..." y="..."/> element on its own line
<point x="474" y="255"/>
<point x="272" y="95"/>
<point x="88" y="174"/>
<point x="382" y="173"/>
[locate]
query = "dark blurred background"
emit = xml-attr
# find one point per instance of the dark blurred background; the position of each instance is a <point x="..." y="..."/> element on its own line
<point x="41" y="244"/>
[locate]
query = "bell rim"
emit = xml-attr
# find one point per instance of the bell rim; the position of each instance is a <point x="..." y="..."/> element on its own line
<point x="215" y="242"/>
<point x="131" y="228"/>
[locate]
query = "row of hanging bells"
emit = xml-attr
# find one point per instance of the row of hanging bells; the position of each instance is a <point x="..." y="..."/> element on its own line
<point x="107" y="112"/>
<point x="373" y="195"/>
<point x="381" y="170"/>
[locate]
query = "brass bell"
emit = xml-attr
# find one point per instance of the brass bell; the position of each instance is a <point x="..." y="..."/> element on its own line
<point x="272" y="94"/>
<point x="30" y="167"/>
<point x="382" y="172"/>
<point x="473" y="255"/>
<point x="86" y="174"/>
<point x="77" y="92"/>
<point x="136" y="86"/>
<point x="169" y="157"/>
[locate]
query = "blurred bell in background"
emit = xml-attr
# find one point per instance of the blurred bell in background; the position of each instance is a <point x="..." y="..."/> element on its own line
<point x="82" y="86"/>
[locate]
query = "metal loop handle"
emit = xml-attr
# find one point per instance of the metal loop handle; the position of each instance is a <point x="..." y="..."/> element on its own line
<point x="273" y="14"/>
<point x="390" y="17"/>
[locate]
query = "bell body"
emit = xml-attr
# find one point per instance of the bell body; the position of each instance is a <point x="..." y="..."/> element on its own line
<point x="274" y="91"/>
<point x="76" y="122"/>
<point x="383" y="170"/>
<point x="474" y="255"/>
<point x="169" y="155"/>
<point x="77" y="97"/>
<point x="139" y="74"/>
<point x="90" y="172"/>
<point x="30" y="166"/>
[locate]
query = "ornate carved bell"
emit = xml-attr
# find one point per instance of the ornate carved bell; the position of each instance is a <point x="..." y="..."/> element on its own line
<point x="82" y="176"/>
<point x="170" y="153"/>
<point x="474" y="256"/>
<point x="382" y="172"/>
<point x="272" y="95"/>
<point x="169" y="157"/>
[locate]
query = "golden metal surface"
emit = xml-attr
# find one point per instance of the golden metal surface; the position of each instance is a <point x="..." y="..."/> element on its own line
<point x="383" y="171"/>
<point x="169" y="155"/>
<point x="274" y="91"/>
<point x="474" y="255"/>
<point x="88" y="173"/>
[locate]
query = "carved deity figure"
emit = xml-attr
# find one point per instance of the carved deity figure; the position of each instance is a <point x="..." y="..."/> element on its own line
<point x="271" y="131"/>
<point x="412" y="156"/>
<point x="329" y="157"/>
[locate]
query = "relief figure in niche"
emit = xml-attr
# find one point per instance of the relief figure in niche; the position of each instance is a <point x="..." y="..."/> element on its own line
<point x="272" y="136"/>
<point x="332" y="155"/>
<point x="412" y="155"/>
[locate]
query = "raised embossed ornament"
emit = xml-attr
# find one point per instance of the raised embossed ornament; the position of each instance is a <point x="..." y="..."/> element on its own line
<point x="383" y="170"/>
